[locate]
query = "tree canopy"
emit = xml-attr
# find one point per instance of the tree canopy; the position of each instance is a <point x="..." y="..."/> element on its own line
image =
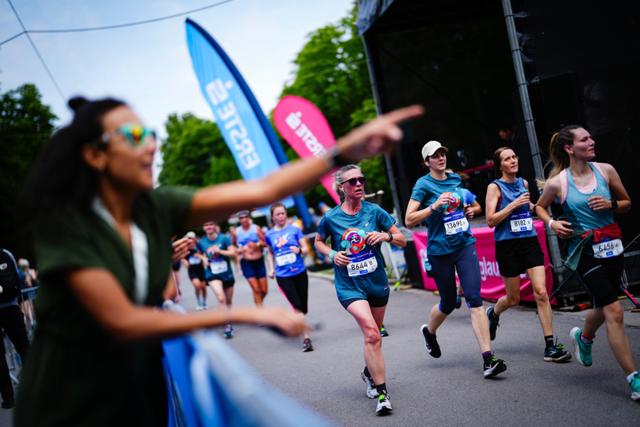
<point x="331" y="71"/>
<point x="25" y="125"/>
<point x="195" y="154"/>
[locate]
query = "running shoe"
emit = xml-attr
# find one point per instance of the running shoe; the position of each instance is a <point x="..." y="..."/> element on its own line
<point x="372" y="393"/>
<point x="384" y="404"/>
<point x="556" y="353"/>
<point x="430" y="342"/>
<point x="307" y="346"/>
<point x="493" y="367"/>
<point x="383" y="331"/>
<point x="582" y="351"/>
<point x="634" y="385"/>
<point x="494" y="322"/>
<point x="228" y="331"/>
<point x="199" y="307"/>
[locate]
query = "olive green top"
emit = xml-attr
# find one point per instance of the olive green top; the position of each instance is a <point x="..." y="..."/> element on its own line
<point x="77" y="374"/>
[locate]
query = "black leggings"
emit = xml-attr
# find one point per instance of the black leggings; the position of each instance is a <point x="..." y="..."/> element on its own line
<point x="444" y="267"/>
<point x="296" y="289"/>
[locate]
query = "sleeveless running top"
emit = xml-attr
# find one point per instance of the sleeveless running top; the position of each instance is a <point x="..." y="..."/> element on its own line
<point x="250" y="235"/>
<point x="579" y="214"/>
<point x="519" y="224"/>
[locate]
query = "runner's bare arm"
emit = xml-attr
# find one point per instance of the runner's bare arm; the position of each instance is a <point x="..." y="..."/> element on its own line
<point x="415" y="215"/>
<point x="618" y="192"/>
<point x="491" y="202"/>
<point x="473" y="209"/>
<point x="550" y="192"/>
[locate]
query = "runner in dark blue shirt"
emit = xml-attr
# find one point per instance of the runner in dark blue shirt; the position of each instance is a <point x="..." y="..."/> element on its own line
<point x="517" y="248"/>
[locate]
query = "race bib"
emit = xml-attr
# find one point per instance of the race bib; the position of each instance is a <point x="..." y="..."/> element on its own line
<point x="455" y="223"/>
<point x="285" y="259"/>
<point x="362" y="264"/>
<point x="219" y="267"/>
<point x="521" y="222"/>
<point x="608" y="249"/>
<point x="194" y="260"/>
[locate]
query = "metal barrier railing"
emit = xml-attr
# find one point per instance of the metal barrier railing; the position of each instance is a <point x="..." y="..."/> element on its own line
<point x="211" y="385"/>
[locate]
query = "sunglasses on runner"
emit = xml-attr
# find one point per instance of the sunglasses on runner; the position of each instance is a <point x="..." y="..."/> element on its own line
<point x="136" y="135"/>
<point x="353" y="181"/>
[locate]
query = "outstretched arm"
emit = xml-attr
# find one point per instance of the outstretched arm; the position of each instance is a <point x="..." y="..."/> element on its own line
<point x="378" y="136"/>
<point x="99" y="292"/>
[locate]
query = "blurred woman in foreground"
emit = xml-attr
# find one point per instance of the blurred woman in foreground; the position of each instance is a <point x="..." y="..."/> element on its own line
<point x="104" y="253"/>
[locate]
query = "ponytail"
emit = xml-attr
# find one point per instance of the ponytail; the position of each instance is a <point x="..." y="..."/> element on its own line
<point x="558" y="156"/>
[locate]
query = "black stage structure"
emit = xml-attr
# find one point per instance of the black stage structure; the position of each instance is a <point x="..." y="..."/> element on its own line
<point x="579" y="65"/>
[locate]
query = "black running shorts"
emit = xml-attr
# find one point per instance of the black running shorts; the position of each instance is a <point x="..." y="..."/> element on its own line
<point x="515" y="256"/>
<point x="601" y="276"/>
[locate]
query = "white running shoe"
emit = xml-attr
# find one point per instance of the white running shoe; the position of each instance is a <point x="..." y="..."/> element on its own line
<point x="384" y="405"/>
<point x="372" y="393"/>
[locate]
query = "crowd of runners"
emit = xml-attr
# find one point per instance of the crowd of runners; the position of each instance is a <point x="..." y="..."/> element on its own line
<point x="97" y="298"/>
<point x="350" y="234"/>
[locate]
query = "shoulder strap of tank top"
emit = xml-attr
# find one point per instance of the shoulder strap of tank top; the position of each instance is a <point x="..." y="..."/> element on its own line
<point x="563" y="177"/>
<point x="597" y="167"/>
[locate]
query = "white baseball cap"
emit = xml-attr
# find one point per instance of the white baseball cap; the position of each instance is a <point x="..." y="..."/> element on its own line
<point x="430" y="148"/>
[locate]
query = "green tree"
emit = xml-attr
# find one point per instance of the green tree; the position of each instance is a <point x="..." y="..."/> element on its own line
<point x="195" y="154"/>
<point x="25" y="124"/>
<point x="331" y="71"/>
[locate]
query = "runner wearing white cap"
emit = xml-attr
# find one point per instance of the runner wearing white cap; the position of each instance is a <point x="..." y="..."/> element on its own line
<point x="439" y="201"/>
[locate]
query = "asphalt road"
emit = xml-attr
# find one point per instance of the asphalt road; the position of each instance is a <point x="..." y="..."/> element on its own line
<point x="449" y="391"/>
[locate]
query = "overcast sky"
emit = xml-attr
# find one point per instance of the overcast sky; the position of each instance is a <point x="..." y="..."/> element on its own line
<point x="149" y="65"/>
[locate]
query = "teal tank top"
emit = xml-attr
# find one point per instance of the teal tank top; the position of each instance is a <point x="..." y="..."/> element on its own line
<point x="577" y="210"/>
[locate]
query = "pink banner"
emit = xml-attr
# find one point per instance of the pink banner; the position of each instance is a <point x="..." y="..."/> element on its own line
<point x="304" y="127"/>
<point x="492" y="284"/>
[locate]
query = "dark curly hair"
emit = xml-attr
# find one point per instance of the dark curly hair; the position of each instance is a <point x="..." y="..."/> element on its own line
<point x="60" y="176"/>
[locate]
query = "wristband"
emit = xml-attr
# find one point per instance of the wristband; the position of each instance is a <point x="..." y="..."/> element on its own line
<point x="614" y="204"/>
<point x="390" y="236"/>
<point x="332" y="254"/>
<point x="551" y="221"/>
<point x="335" y="159"/>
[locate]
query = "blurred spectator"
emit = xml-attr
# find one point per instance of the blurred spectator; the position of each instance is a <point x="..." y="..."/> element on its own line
<point x="11" y="321"/>
<point x="30" y="279"/>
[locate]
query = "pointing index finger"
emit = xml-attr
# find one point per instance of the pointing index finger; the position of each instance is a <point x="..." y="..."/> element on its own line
<point x="405" y="113"/>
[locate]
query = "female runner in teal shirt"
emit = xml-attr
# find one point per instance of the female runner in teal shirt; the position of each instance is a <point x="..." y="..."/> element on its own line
<point x="357" y="228"/>
<point x="590" y="193"/>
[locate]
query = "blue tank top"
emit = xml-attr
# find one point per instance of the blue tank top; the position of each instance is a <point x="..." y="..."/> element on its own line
<point x="250" y="235"/>
<point x="577" y="210"/>
<point x="519" y="224"/>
